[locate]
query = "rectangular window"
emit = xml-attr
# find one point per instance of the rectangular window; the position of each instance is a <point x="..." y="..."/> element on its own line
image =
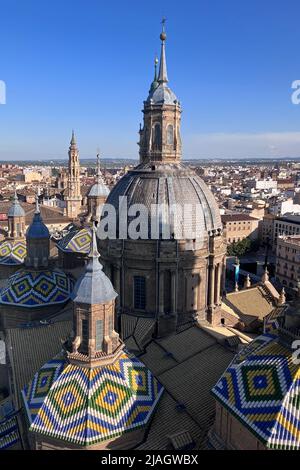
<point x="139" y="292"/>
<point x="99" y="334"/>
<point x="84" y="334"/>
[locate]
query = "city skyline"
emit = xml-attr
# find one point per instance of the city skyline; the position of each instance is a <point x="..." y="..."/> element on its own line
<point x="66" y="66"/>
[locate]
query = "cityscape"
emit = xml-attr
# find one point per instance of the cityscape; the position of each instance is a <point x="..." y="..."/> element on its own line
<point x="150" y="302"/>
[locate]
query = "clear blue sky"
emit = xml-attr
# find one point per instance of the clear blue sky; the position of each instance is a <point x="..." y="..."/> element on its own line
<point x="88" y="64"/>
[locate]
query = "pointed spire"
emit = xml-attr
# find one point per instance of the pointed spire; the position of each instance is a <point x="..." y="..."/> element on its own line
<point x="37" y="205"/>
<point x="98" y="166"/>
<point x="93" y="286"/>
<point x="73" y="140"/>
<point x="265" y="276"/>
<point x="155" y="68"/>
<point x="163" y="75"/>
<point x="155" y="83"/>
<point x="15" y="197"/>
<point x="94" y="253"/>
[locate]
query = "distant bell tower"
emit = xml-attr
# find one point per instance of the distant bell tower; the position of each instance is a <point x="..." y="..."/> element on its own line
<point x="73" y="198"/>
<point x="160" y="136"/>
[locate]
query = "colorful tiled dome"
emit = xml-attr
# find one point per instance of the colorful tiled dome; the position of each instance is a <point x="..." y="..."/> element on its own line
<point x="85" y="406"/>
<point x="76" y="241"/>
<point x="261" y="388"/>
<point x="29" y="288"/>
<point x="12" y="252"/>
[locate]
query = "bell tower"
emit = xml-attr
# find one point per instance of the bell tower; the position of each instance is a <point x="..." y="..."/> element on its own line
<point x="73" y="198"/>
<point x="94" y="339"/>
<point x="160" y="135"/>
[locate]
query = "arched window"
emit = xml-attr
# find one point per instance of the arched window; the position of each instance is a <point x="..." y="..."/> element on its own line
<point x="170" y="134"/>
<point x="156" y="136"/>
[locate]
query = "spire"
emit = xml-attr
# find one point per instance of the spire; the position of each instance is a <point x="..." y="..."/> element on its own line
<point x="265" y="276"/>
<point x="37" y="206"/>
<point x="73" y="140"/>
<point x="94" y="253"/>
<point x="93" y="286"/>
<point x="15" y="197"/>
<point x="163" y="75"/>
<point x="155" y="83"/>
<point x="99" y="176"/>
<point x="155" y="68"/>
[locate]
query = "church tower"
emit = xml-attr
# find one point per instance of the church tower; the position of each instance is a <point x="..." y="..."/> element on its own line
<point x="160" y="136"/>
<point x="94" y="393"/>
<point x="16" y="220"/>
<point x="94" y="300"/>
<point x="73" y="198"/>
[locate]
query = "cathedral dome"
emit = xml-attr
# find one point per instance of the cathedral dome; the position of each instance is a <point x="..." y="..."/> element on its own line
<point x="170" y="184"/>
<point x="28" y="288"/>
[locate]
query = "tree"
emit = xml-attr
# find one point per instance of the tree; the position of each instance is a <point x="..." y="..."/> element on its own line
<point x="239" y="248"/>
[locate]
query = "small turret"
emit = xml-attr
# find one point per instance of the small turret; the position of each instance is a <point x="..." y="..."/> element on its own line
<point x="16" y="219"/>
<point x="38" y="241"/>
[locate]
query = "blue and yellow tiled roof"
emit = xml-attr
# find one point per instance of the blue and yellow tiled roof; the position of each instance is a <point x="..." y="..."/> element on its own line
<point x="261" y="388"/>
<point x="12" y="252"/>
<point x="29" y="288"/>
<point x="76" y="241"/>
<point x="9" y="434"/>
<point x="85" y="406"/>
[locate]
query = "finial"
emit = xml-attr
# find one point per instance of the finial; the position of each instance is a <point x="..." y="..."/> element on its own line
<point x="155" y="68"/>
<point x="163" y="35"/>
<point x="94" y="253"/>
<point x="265" y="276"/>
<point x="15" y="198"/>
<point x="247" y="281"/>
<point x="37" y="206"/>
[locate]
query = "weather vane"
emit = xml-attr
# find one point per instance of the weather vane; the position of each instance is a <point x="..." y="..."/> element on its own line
<point x="163" y="22"/>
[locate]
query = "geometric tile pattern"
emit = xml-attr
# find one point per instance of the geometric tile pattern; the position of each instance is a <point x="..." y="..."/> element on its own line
<point x="87" y="405"/>
<point x="9" y="434"/>
<point x="261" y="388"/>
<point x="12" y="252"/>
<point x="28" y="288"/>
<point x="76" y="241"/>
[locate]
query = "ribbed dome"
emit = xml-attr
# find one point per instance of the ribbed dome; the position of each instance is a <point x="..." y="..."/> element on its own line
<point x="99" y="189"/>
<point x="170" y="184"/>
<point x="16" y="210"/>
<point x="161" y="94"/>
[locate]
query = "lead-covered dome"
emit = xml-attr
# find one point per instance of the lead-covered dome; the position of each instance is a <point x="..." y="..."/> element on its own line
<point x="171" y="186"/>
